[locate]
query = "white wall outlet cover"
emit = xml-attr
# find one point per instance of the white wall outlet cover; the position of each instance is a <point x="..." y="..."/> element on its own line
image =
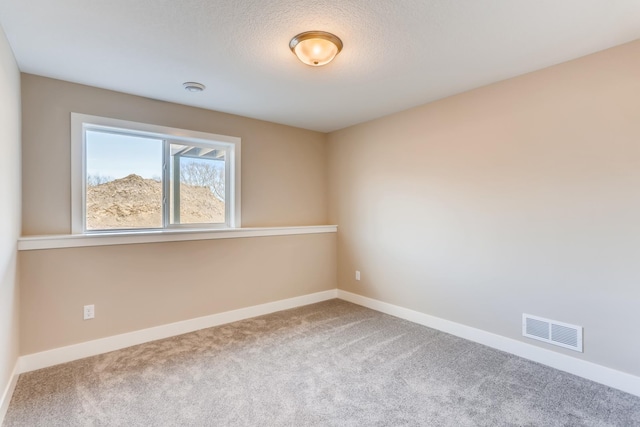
<point x="357" y="275"/>
<point x="89" y="312"/>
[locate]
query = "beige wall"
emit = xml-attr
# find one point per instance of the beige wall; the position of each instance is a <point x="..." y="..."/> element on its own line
<point x="522" y="196"/>
<point x="140" y="286"/>
<point x="283" y="168"/>
<point x="9" y="210"/>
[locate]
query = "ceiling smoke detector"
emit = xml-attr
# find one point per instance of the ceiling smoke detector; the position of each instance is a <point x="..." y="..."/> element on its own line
<point x="193" y="86"/>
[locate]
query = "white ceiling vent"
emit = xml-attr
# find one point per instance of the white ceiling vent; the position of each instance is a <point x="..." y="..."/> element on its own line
<point x="552" y="332"/>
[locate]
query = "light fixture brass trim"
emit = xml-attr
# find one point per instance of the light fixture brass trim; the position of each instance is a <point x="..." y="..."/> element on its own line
<point x="322" y="35"/>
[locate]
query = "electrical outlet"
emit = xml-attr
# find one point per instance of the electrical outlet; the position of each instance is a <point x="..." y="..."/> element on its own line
<point x="89" y="312"/>
<point x="357" y="275"/>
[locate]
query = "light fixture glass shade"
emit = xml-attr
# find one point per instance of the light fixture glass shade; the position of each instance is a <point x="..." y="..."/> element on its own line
<point x="316" y="48"/>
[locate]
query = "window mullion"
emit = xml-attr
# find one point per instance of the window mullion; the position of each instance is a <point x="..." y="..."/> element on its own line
<point x="175" y="175"/>
<point x="227" y="187"/>
<point x="166" y="153"/>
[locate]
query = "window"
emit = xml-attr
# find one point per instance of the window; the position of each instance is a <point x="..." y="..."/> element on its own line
<point x="130" y="176"/>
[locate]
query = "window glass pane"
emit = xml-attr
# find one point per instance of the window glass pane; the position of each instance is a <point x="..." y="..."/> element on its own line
<point x="124" y="181"/>
<point x="197" y="185"/>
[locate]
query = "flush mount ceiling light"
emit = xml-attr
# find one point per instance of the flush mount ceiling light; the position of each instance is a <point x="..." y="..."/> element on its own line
<point x="193" y="86"/>
<point x="315" y="48"/>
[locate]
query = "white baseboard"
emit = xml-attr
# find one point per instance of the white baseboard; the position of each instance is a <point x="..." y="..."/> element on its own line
<point x="44" y="359"/>
<point x="591" y="371"/>
<point x="8" y="392"/>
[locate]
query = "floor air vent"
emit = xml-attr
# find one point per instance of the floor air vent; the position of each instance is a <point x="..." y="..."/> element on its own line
<point x="552" y="332"/>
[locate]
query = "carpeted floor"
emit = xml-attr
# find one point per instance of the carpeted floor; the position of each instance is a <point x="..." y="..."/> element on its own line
<point x="327" y="364"/>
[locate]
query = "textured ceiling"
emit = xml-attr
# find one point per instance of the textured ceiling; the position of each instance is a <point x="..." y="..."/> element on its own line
<point x="396" y="54"/>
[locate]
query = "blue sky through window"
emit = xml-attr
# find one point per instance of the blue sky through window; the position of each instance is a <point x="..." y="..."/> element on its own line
<point x="116" y="156"/>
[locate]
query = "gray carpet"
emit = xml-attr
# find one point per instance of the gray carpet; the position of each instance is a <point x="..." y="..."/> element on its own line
<point x="327" y="364"/>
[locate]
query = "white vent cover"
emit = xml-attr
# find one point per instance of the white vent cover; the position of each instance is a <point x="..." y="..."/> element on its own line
<point x="552" y="332"/>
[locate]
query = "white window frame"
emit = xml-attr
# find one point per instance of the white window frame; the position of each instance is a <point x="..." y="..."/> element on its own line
<point x="80" y="123"/>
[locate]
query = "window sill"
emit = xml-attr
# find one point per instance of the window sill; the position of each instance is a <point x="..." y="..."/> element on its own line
<point x="31" y="243"/>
